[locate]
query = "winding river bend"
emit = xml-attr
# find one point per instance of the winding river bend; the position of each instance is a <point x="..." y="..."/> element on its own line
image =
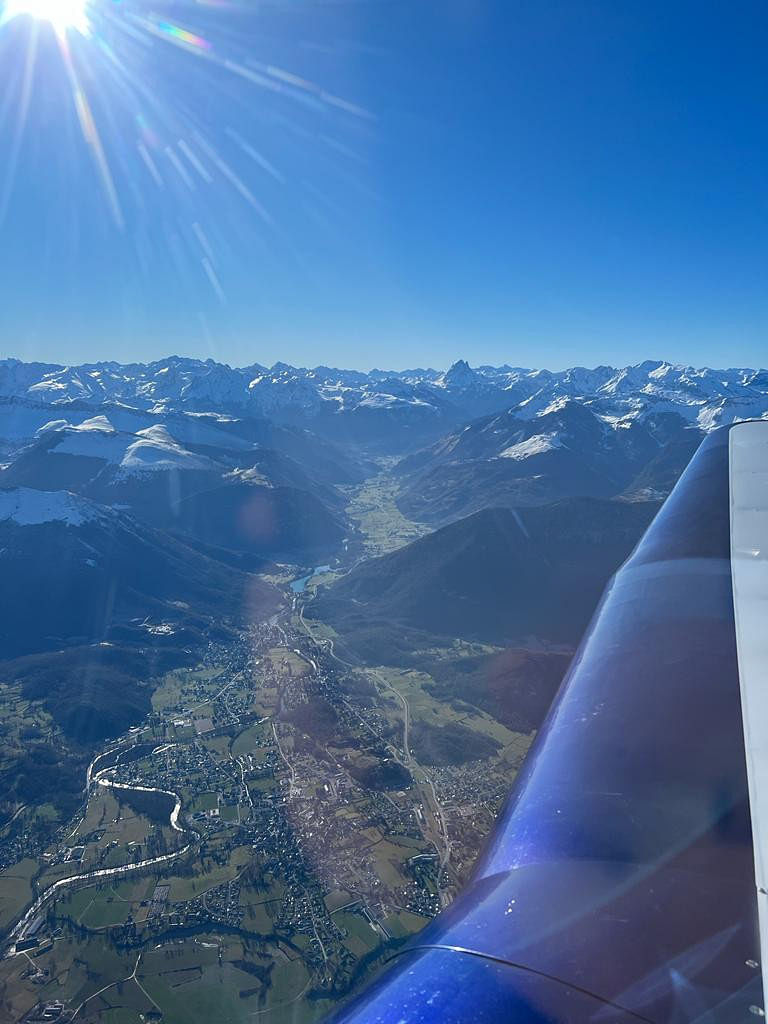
<point x="21" y="926"/>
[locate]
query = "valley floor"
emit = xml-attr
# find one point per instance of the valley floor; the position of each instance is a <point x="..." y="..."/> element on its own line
<point x="313" y="842"/>
<point x="373" y="509"/>
<point x="282" y="820"/>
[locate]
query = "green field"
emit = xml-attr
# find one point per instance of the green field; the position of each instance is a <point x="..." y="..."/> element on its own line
<point x="373" y="509"/>
<point x="403" y="923"/>
<point x="103" y="906"/>
<point x="286" y="660"/>
<point x="187" y="888"/>
<point x="361" y="937"/>
<point x="390" y="858"/>
<point x="186" y="688"/>
<point x="75" y="972"/>
<point x="205" y="802"/>
<point x="415" y="688"/>
<point x="105" y="910"/>
<point x="193" y="986"/>
<point x="248" y="740"/>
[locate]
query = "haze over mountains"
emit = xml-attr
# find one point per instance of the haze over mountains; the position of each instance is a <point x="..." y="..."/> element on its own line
<point x="389" y="408"/>
<point x="145" y="502"/>
<point x="255" y="465"/>
<point x="79" y="572"/>
<point x="262" y="501"/>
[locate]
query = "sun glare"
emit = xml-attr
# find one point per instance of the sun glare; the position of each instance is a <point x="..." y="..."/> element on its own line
<point x="61" y="14"/>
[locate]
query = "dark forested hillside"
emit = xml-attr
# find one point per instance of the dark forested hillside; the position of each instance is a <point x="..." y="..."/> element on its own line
<point x="500" y="575"/>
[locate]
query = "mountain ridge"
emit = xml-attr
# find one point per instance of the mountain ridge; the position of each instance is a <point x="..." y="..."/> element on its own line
<point x="327" y="396"/>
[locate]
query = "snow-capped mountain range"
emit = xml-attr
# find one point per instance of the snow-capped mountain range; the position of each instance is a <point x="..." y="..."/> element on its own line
<point x="154" y="437"/>
<point x="424" y="402"/>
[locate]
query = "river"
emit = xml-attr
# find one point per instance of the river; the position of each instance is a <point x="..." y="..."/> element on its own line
<point x="20" y="927"/>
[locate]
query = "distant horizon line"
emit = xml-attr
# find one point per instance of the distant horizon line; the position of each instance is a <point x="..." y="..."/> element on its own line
<point x="281" y="363"/>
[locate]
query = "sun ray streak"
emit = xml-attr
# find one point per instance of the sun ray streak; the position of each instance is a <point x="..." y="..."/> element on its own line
<point x="178" y="145"/>
<point x="21" y="120"/>
<point x="262" y="161"/>
<point x="90" y="132"/>
<point x="186" y="149"/>
<point x="150" y="163"/>
<point x="210" y="273"/>
<point x="234" y="180"/>
<point x="265" y="75"/>
<point x="178" y="35"/>
<point x="179" y="167"/>
<point x="205" y="245"/>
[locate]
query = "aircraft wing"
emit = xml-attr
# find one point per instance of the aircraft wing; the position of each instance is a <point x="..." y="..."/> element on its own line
<point x="626" y="878"/>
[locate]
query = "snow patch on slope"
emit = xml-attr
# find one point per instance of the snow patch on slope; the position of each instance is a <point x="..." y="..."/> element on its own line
<point x="155" y="450"/>
<point x="53" y="425"/>
<point x="95" y="438"/>
<point x="536" y="445"/>
<point x="100" y="424"/>
<point x="27" y="507"/>
<point x="150" y="449"/>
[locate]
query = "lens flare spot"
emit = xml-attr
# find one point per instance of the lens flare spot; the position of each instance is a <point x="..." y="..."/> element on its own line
<point x="181" y="35"/>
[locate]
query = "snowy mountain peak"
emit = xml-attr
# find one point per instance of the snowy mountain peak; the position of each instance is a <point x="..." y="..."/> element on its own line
<point x="459" y="375"/>
<point x="155" y="449"/>
<point x="343" y="404"/>
<point x="99" y="424"/>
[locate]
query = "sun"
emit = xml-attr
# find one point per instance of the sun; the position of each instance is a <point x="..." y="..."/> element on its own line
<point x="63" y="15"/>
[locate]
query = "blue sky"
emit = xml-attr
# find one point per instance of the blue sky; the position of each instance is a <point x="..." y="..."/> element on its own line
<point x="541" y="183"/>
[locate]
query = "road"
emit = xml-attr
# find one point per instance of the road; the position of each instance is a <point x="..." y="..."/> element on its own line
<point x="293" y="789"/>
<point x="440" y="840"/>
<point x="12" y="818"/>
<point x="406" y="716"/>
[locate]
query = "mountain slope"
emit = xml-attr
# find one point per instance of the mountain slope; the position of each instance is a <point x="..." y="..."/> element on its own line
<point x="500" y="575"/>
<point x="212" y="492"/>
<point x="564" y="450"/>
<point x="80" y="573"/>
<point x="22" y="419"/>
<point x="279" y="522"/>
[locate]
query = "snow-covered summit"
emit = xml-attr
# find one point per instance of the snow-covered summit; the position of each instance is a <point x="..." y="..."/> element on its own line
<point x="323" y="398"/>
<point x="459" y="375"/>
<point x="146" y="450"/>
<point x="154" y="449"/>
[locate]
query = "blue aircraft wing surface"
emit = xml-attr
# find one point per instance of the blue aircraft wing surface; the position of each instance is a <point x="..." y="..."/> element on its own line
<point x="623" y="880"/>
